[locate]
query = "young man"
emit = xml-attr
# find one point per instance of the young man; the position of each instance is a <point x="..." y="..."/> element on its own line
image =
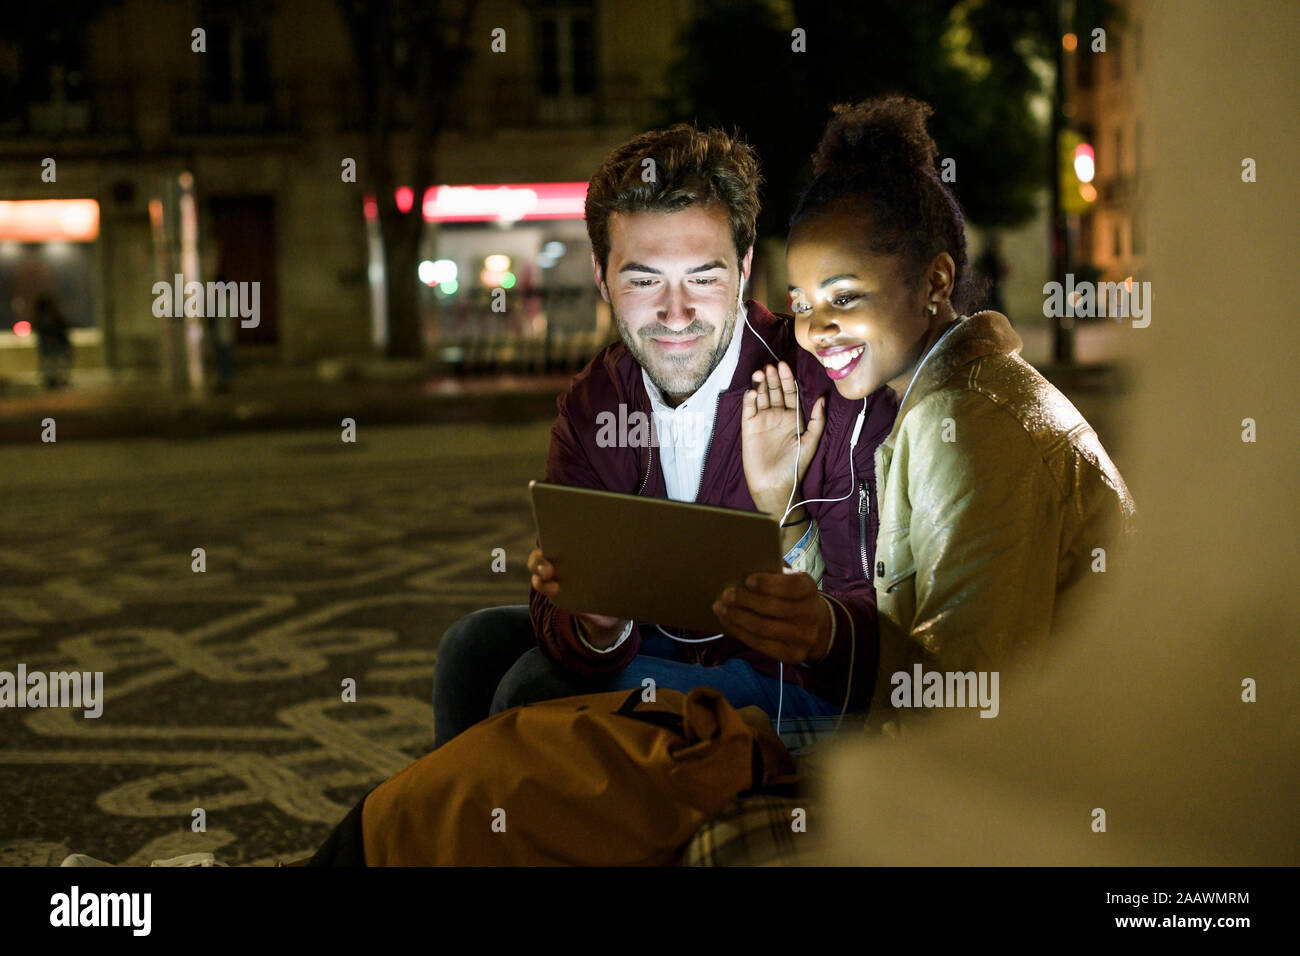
<point x="671" y="217"/>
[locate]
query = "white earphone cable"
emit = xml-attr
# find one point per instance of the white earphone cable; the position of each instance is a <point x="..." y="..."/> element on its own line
<point x="790" y="506"/>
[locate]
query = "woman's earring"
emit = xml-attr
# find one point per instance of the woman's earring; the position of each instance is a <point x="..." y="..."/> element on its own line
<point x="934" y="309"/>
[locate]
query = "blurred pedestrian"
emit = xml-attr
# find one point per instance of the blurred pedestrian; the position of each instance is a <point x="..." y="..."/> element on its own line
<point x="991" y="271"/>
<point x="221" y="340"/>
<point x="53" y="346"/>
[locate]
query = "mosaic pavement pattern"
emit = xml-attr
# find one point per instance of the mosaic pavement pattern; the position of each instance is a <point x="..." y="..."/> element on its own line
<point x="223" y="689"/>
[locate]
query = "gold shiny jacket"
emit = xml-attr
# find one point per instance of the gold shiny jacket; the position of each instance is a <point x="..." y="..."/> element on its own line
<point x="994" y="496"/>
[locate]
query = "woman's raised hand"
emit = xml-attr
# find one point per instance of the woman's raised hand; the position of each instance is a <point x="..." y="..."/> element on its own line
<point x="769" y="429"/>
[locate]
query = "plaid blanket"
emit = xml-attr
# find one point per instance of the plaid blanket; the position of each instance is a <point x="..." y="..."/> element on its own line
<point x="758" y="829"/>
<point x="751" y="831"/>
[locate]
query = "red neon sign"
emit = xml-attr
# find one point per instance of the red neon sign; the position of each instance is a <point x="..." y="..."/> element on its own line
<point x="506" y="203"/>
<point x="498" y="202"/>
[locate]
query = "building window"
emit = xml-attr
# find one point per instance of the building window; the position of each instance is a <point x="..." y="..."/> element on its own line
<point x="1119" y="154"/>
<point x="1139" y="236"/>
<point x="566" y="58"/>
<point x="53" y="87"/>
<point x="1137" y="147"/>
<point x="218" y="74"/>
<point x="236" y="68"/>
<point x="1117" y="235"/>
<point x="1083" y="57"/>
<point x="1115" y="50"/>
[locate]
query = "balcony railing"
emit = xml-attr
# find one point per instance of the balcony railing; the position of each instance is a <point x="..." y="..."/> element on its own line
<point x="109" y="109"/>
<point x="194" y="111"/>
<point x="515" y="102"/>
<point x="1116" y="191"/>
<point x="482" y="105"/>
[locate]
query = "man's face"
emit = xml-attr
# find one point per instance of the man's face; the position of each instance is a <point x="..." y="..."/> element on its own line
<point x="673" y="283"/>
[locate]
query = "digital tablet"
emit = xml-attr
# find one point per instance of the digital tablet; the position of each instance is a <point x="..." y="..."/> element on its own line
<point x="649" y="559"/>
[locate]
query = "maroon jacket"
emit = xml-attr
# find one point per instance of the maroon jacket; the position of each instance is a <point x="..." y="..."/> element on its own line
<point x="847" y="528"/>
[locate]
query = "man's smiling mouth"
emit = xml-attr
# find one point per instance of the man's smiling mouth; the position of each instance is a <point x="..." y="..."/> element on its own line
<point x="676" y="345"/>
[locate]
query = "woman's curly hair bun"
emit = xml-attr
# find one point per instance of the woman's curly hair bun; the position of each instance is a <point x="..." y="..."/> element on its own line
<point x="877" y="160"/>
<point x="885" y="132"/>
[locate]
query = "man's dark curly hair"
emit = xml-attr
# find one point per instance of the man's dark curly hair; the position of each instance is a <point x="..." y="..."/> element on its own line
<point x="690" y="166"/>
<point x="877" y="159"/>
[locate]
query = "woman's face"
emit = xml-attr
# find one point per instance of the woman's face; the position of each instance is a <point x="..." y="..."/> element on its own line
<point x="854" y="310"/>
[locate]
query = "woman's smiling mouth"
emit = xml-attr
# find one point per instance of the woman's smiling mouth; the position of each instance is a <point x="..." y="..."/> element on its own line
<point x="840" y="362"/>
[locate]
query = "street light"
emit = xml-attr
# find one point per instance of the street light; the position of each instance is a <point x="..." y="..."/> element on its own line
<point x="1085" y="163"/>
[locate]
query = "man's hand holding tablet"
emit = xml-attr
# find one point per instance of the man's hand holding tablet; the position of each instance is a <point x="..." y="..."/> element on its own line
<point x="600" y="630"/>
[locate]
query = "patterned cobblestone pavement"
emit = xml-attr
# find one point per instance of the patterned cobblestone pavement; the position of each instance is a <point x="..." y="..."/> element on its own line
<point x="223" y="689"/>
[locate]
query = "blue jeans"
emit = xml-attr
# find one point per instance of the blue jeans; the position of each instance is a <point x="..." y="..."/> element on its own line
<point x="496" y="648"/>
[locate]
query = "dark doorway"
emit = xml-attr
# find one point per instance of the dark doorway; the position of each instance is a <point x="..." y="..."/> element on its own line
<point x="244" y="229"/>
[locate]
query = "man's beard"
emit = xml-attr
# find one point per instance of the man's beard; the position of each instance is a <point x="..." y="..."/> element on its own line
<point x="678" y="376"/>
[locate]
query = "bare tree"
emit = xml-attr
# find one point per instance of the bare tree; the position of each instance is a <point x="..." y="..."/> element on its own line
<point x="411" y="57"/>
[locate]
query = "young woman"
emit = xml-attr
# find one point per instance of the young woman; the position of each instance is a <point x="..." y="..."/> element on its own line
<point x="995" y="496"/>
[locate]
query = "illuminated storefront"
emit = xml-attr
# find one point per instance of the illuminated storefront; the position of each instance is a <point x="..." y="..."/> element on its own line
<point x="47" y="260"/>
<point x="507" y="270"/>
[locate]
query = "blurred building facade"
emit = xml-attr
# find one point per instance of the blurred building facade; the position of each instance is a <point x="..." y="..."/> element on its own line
<point x="225" y="166"/>
<point x="1105" y="100"/>
<point x="1105" y="105"/>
